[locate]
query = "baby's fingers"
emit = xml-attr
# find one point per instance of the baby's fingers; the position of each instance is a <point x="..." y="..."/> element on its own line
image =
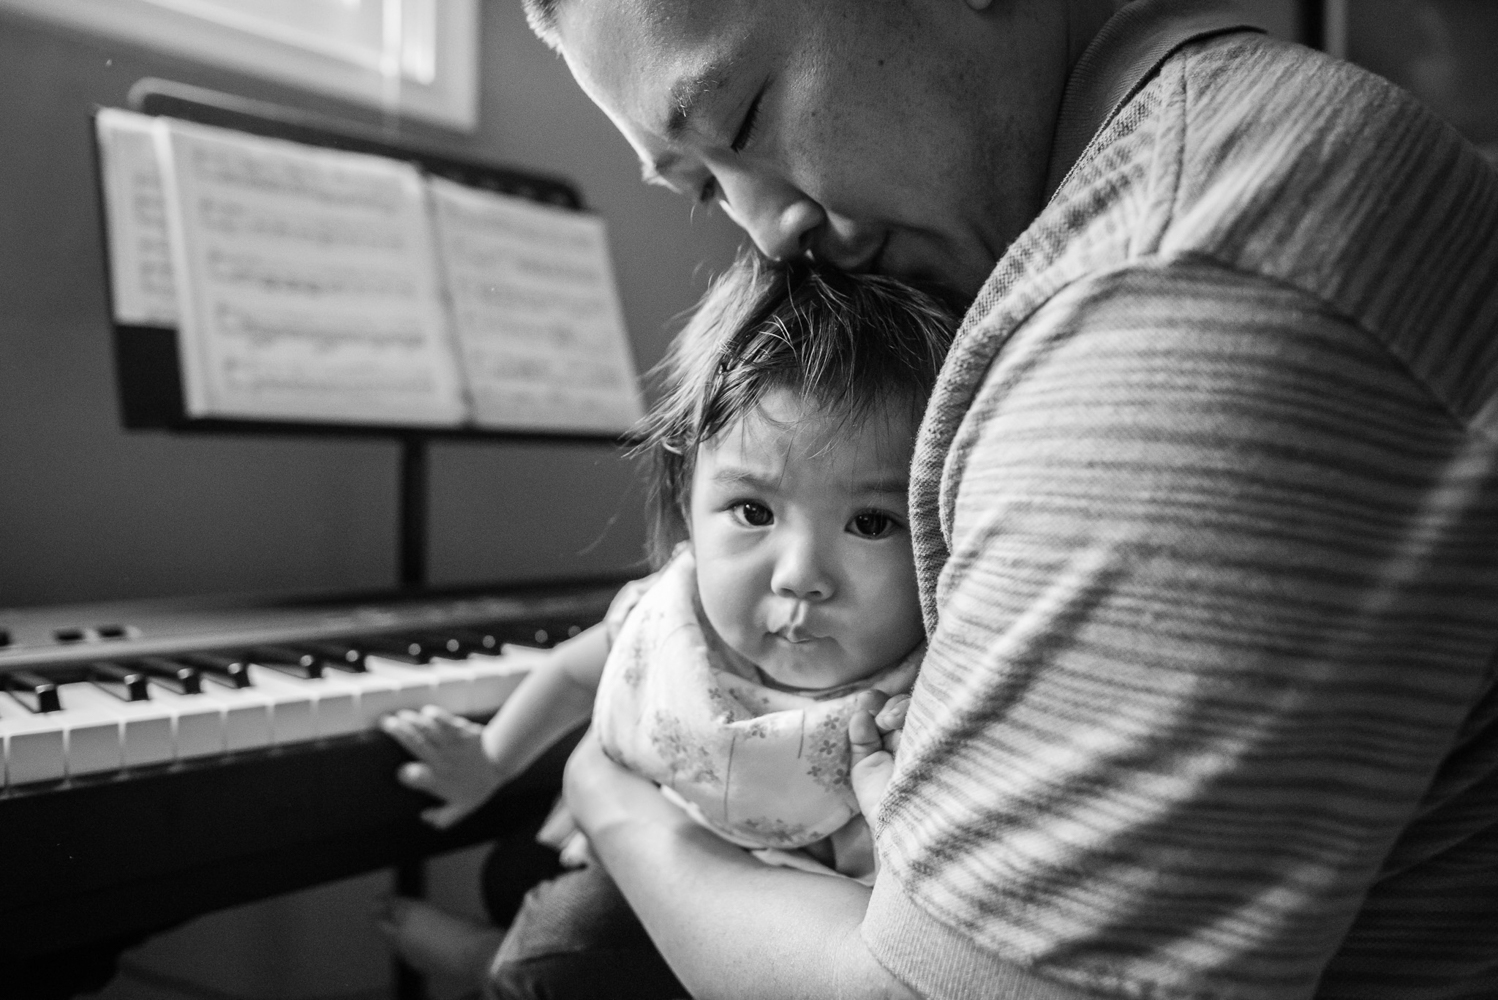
<point x="892" y="715"/>
<point x="863" y="735"/>
<point x="417" y="775"/>
<point x="441" y="726"/>
<point x="404" y="728"/>
<point x="869" y="776"/>
<point x="443" y="817"/>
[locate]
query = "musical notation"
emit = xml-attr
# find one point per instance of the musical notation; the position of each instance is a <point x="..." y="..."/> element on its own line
<point x="535" y="313"/>
<point x="319" y="313"/>
<point x="140" y="265"/>
<point x="310" y="283"/>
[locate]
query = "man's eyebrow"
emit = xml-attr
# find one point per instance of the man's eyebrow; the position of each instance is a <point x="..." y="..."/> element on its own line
<point x="687" y="95"/>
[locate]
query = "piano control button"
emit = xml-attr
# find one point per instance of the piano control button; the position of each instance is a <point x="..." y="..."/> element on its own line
<point x="120" y="681"/>
<point x="34" y="691"/>
<point x="295" y="662"/>
<point x="4" y="637"/>
<point x="197" y="723"/>
<point x="182" y="678"/>
<point x="342" y="655"/>
<point x="145" y="728"/>
<point x="32" y="744"/>
<point x="112" y="632"/>
<point x="402" y="649"/>
<point x="231" y="671"/>
<point x="69" y="635"/>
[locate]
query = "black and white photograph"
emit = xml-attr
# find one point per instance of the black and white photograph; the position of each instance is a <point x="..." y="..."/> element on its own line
<point x="749" y="499"/>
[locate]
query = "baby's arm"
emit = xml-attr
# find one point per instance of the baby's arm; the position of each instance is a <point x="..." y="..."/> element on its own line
<point x="874" y="735"/>
<point x="463" y="764"/>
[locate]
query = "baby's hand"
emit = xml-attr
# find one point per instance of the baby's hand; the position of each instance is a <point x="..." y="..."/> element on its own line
<point x="874" y="734"/>
<point x="450" y="763"/>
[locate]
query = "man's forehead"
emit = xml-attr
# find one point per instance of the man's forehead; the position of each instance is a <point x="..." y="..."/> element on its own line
<point x="655" y="58"/>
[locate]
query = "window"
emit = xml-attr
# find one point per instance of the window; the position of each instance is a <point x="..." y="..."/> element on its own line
<point x="409" y="57"/>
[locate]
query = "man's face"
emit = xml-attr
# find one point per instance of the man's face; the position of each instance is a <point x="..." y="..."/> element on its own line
<point x="851" y="129"/>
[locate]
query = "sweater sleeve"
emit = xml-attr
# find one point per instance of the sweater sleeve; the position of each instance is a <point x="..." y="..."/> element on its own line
<point x="1216" y="609"/>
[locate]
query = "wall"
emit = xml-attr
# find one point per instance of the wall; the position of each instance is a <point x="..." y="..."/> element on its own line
<point x="89" y="511"/>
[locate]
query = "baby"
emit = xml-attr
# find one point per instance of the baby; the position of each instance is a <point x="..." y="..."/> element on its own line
<point x="784" y="609"/>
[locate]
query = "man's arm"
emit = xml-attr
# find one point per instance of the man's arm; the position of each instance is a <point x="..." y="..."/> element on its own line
<point x="728" y="925"/>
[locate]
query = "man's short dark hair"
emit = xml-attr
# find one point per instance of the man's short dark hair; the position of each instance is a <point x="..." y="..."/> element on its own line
<point x="541" y="15"/>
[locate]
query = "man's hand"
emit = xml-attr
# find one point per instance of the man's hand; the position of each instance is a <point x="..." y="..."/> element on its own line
<point x="874" y="735"/>
<point x="450" y="762"/>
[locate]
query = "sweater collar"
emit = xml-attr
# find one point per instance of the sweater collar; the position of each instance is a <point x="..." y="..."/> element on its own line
<point x="1122" y="57"/>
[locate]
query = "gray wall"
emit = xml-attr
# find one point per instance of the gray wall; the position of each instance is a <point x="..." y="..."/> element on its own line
<point x="89" y="511"/>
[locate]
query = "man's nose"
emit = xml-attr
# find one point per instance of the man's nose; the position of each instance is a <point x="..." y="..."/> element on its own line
<point x="802" y="570"/>
<point x="781" y="220"/>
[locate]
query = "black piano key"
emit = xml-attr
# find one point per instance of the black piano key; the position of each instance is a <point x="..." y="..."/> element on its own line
<point x="32" y="690"/>
<point x="298" y="663"/>
<point x="342" y="655"/>
<point x="183" y="678"/>
<point x="125" y="683"/>
<point x="230" y="671"/>
<point x="453" y="646"/>
<point x="483" y="640"/>
<point x="406" y="649"/>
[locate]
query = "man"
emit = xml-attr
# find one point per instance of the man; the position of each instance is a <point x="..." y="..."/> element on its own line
<point x="1205" y="507"/>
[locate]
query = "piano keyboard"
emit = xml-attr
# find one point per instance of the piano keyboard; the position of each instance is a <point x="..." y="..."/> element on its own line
<point x="100" y="716"/>
<point x="163" y="759"/>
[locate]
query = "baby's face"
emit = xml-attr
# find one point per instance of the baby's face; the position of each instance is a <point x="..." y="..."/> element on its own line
<point x="804" y="564"/>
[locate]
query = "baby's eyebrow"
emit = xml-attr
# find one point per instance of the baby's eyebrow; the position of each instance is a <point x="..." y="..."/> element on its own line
<point x="745" y="477"/>
<point x="891" y="484"/>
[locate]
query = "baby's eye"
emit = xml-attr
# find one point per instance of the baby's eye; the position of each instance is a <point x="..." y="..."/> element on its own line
<point x="873" y="524"/>
<point x="756" y="515"/>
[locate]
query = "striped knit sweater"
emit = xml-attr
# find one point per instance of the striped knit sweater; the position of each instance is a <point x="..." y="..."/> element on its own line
<point x="1206" y="515"/>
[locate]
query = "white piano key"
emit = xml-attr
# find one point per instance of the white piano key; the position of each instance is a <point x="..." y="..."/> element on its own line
<point x="93" y="740"/>
<point x="330" y="705"/>
<point x="291" y="706"/>
<point x="374" y="695"/>
<point x="414" y="686"/>
<point x="197" y="722"/>
<point x="454" y="683"/>
<point x="246" y="715"/>
<point x="33" y="744"/>
<point x="145" y="727"/>
<point x="494" y="678"/>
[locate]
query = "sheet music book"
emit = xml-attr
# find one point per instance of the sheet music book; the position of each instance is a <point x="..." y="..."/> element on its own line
<point x="315" y="285"/>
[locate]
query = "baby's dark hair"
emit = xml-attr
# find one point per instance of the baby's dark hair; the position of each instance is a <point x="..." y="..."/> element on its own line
<point x="852" y="344"/>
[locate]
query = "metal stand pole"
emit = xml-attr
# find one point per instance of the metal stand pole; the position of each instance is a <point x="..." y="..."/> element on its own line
<point x="410" y="877"/>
